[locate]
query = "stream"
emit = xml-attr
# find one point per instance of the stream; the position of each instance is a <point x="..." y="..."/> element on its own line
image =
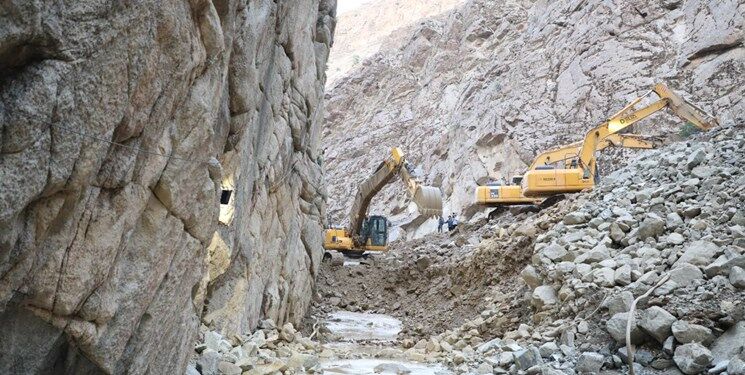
<point x="367" y="334"/>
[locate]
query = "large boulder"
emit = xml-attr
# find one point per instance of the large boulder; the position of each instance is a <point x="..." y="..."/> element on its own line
<point x="657" y="322"/>
<point x="574" y="218"/>
<point x="652" y="226"/>
<point x="692" y="358"/>
<point x="699" y="253"/>
<point x="684" y="274"/>
<point x="686" y="332"/>
<point x="737" y="277"/>
<point x="589" y="363"/>
<point x="543" y="296"/>
<point x="730" y="343"/>
<point x="616" y="326"/>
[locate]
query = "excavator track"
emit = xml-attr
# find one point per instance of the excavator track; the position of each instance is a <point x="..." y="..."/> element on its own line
<point x="552" y="200"/>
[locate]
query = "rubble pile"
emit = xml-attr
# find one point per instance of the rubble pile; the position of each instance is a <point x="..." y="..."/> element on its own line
<point x="674" y="218"/>
<point x="268" y="350"/>
<point x="550" y="292"/>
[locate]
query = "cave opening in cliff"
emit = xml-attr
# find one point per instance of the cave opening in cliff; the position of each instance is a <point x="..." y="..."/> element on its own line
<point x="225" y="196"/>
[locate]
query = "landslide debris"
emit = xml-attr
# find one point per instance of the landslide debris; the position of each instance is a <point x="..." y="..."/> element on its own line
<point x="550" y="292"/>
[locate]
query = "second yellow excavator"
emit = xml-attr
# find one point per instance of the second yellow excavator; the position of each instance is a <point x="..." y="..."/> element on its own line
<point x="370" y="233"/>
<point x="493" y="195"/>
<point x="577" y="172"/>
<point x="581" y="175"/>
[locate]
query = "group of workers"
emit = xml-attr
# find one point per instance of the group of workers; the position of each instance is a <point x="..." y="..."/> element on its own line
<point x="452" y="222"/>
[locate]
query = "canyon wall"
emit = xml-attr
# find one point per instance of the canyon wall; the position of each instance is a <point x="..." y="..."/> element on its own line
<point x="124" y="127"/>
<point x="363" y="30"/>
<point x="474" y="94"/>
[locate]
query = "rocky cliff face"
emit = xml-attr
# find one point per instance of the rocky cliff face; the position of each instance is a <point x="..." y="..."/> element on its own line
<point x="474" y="94"/>
<point x="111" y="253"/>
<point x="362" y="31"/>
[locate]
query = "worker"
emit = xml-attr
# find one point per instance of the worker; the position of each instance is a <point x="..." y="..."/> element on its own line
<point x="440" y="224"/>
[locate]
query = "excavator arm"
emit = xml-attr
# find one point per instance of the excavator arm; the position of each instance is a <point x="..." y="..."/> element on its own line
<point x="569" y="153"/>
<point x="629" y="116"/>
<point x="427" y="198"/>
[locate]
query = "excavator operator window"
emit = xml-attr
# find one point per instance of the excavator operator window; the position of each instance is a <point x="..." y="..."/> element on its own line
<point x="378" y="230"/>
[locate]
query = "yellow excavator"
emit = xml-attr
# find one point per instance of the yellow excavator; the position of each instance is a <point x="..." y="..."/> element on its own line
<point x="493" y="195"/>
<point x="370" y="233"/>
<point x="581" y="175"/>
<point x="542" y="182"/>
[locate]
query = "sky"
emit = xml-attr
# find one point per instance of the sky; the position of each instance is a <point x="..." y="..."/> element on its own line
<point x="343" y="6"/>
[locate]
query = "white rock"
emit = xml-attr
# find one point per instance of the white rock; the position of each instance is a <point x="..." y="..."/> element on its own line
<point x="543" y="296"/>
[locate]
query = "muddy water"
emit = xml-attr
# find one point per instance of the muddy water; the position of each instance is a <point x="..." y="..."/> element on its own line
<point x="367" y="334"/>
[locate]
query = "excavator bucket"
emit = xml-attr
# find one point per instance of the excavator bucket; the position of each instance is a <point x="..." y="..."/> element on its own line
<point x="428" y="200"/>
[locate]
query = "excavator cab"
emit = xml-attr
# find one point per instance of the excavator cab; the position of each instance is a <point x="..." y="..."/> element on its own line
<point x="374" y="232"/>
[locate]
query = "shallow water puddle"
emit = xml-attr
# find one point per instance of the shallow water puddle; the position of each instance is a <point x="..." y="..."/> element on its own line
<point x="357" y="329"/>
<point x="353" y="326"/>
<point x="380" y="366"/>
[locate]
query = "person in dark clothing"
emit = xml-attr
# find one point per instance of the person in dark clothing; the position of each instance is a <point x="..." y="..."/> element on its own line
<point x="450" y="222"/>
<point x="440" y="224"/>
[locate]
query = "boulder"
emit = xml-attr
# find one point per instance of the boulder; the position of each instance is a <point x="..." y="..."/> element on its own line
<point x="485" y="369"/>
<point x="686" y="333"/>
<point x="555" y="252"/>
<point x="695" y="158"/>
<point x="212" y="340"/>
<point x="651" y="227"/>
<point x="730" y="343"/>
<point x="391" y="368"/>
<point x="575" y="218"/>
<point x="207" y="362"/>
<point x="618" y="303"/>
<point x="616" y="326"/>
<point x="227" y="368"/>
<point x="737" y="277"/>
<point x="684" y="274"/>
<point x="589" y="363"/>
<point x="622" y="275"/>
<point x="597" y="254"/>
<point x="548" y="349"/>
<point x="675" y="238"/>
<point x="736" y="366"/>
<point x="604" y="277"/>
<point x="657" y="322"/>
<point x="301" y="361"/>
<point x="692" y="358"/>
<point x="288" y="332"/>
<point x="543" y="296"/>
<point x="527" y="358"/>
<point x="531" y="276"/>
<point x="699" y="253"/>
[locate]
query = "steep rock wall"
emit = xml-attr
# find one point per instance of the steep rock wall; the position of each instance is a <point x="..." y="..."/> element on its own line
<point x="476" y="93"/>
<point x="110" y="254"/>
